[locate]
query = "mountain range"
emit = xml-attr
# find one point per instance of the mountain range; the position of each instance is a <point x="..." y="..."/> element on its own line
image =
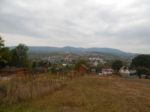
<point x="78" y="50"/>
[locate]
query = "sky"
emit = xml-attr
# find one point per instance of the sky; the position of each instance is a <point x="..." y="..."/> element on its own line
<point x="120" y="24"/>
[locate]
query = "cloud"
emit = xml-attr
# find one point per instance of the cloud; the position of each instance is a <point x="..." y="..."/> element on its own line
<point x="83" y="23"/>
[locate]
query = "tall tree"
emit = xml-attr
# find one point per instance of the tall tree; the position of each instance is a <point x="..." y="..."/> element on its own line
<point x="117" y="64"/>
<point x="141" y="61"/>
<point x="142" y="64"/>
<point x="1" y="42"/>
<point x="5" y="55"/>
<point x="20" y="56"/>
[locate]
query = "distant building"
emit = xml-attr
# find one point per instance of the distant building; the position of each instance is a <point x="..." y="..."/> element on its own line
<point x="124" y="72"/>
<point x="107" y="71"/>
<point x="96" y="60"/>
<point x="64" y="64"/>
<point x="133" y="72"/>
<point x="68" y="58"/>
<point x="95" y="63"/>
<point x="82" y="69"/>
<point x="93" y="70"/>
<point x="54" y="59"/>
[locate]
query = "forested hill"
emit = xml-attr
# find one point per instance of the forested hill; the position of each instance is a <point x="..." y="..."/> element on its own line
<point x="68" y="49"/>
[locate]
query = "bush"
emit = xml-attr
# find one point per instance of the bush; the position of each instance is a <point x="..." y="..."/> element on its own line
<point x="143" y="71"/>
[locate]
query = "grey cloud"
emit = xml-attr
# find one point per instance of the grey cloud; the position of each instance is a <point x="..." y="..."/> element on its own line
<point x="86" y="23"/>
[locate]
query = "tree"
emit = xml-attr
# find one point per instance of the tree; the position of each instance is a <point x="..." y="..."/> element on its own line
<point x="142" y="70"/>
<point x="17" y="57"/>
<point x="1" y="42"/>
<point x="100" y="67"/>
<point x="20" y="56"/>
<point x="117" y="64"/>
<point x="5" y="55"/>
<point x="142" y="64"/>
<point x="79" y="63"/>
<point x="141" y="61"/>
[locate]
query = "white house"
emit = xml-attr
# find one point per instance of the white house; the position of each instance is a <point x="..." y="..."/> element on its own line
<point x="107" y="71"/>
<point x="124" y="72"/>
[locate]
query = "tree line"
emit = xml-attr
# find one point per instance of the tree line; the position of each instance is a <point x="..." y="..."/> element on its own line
<point x="16" y="57"/>
<point x="142" y="64"/>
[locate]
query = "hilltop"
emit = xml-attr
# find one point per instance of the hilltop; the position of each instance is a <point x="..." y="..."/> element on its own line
<point x="79" y="51"/>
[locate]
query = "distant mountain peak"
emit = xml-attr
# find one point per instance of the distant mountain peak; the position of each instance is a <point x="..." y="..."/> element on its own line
<point x="78" y="50"/>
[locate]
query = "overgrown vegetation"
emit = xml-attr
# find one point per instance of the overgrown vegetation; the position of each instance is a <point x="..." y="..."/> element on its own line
<point x="91" y="94"/>
<point x="33" y="89"/>
<point x="20" y="89"/>
<point x="142" y="64"/>
<point x="16" y="57"/>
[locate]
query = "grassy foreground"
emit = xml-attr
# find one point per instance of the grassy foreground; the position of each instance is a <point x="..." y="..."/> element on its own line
<point x="92" y="94"/>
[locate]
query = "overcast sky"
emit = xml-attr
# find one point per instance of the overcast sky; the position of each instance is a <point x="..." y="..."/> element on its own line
<point x="121" y="24"/>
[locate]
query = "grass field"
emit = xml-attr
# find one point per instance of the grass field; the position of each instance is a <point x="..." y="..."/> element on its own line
<point x="91" y="94"/>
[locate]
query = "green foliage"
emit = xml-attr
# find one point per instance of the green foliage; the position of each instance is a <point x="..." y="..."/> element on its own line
<point x="20" y="56"/>
<point x="5" y="56"/>
<point x="1" y="42"/>
<point x="141" y="61"/>
<point x="117" y="64"/>
<point x="79" y="63"/>
<point x="142" y="64"/>
<point x="16" y="57"/>
<point x="143" y="70"/>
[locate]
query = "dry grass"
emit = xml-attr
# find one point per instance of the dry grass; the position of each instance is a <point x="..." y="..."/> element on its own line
<point x="92" y="94"/>
<point x="19" y="89"/>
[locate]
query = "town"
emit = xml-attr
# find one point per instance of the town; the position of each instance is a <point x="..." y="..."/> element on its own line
<point x="66" y="63"/>
<point x="74" y="56"/>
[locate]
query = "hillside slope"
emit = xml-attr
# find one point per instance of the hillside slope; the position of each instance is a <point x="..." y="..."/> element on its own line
<point x="108" y="51"/>
<point x="92" y="94"/>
